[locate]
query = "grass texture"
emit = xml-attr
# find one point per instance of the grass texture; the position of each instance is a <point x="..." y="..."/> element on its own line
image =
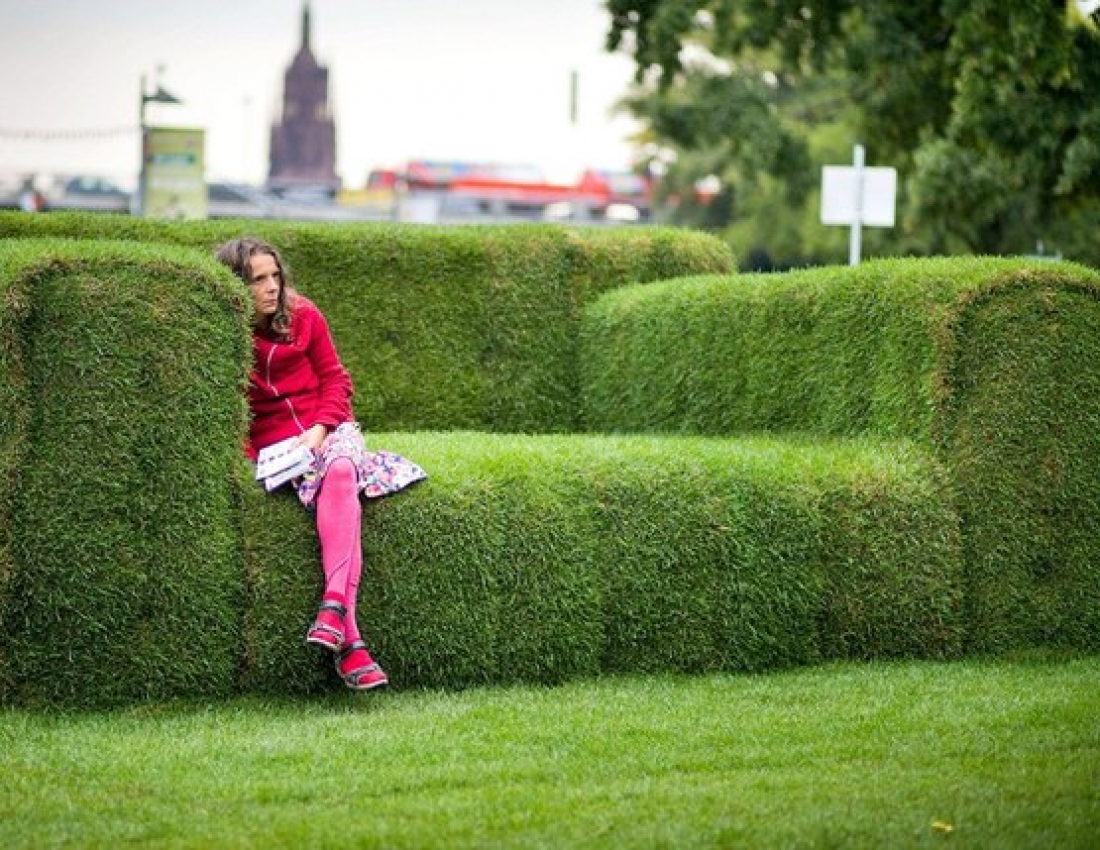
<point x="440" y="327"/>
<point x="988" y="363"/>
<point x="546" y="558"/>
<point x="887" y="462"/>
<point x="901" y="755"/>
<point x="130" y="550"/>
<point x="122" y="554"/>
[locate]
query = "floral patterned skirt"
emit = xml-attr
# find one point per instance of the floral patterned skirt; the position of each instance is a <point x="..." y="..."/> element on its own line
<point x="380" y="472"/>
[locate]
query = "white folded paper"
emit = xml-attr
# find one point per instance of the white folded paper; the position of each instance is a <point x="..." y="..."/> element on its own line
<point x="282" y="461"/>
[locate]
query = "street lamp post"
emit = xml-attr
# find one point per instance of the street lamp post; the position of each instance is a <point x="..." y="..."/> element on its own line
<point x="157" y="96"/>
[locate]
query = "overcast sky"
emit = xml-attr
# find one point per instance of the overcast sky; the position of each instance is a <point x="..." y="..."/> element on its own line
<point x="441" y="79"/>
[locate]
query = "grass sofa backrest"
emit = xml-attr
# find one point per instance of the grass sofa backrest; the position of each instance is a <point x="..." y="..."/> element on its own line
<point x="988" y="363"/>
<point x="441" y="328"/>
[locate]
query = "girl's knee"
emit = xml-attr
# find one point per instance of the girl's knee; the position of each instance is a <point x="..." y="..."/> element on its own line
<point x="340" y="473"/>
<point x="342" y="468"/>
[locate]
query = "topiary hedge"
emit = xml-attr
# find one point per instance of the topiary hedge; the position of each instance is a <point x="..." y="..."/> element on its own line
<point x="880" y="462"/>
<point x="551" y="557"/>
<point x="457" y="327"/>
<point x="123" y="416"/>
<point x="116" y="359"/>
<point x="988" y="363"/>
<point x="142" y="561"/>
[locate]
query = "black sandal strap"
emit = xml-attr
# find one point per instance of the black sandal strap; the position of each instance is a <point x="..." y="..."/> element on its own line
<point x="349" y="648"/>
<point x="333" y="605"/>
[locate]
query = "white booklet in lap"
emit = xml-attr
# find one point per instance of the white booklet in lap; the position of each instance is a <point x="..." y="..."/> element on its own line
<point x="282" y="461"/>
<point x="280" y="478"/>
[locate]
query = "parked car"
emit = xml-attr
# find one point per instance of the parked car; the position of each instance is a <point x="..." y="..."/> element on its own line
<point x="87" y="192"/>
<point x="237" y="200"/>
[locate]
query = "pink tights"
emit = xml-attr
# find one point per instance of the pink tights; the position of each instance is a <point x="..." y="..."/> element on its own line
<point x="339" y="525"/>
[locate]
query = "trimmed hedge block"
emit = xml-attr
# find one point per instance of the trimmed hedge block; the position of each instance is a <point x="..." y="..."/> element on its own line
<point x="989" y="363"/>
<point x="123" y="561"/>
<point x="1021" y="430"/>
<point x="546" y="558"/>
<point x="441" y="327"/>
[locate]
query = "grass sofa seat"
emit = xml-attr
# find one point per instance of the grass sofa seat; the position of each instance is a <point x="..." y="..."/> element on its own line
<point x="541" y="558"/>
<point x="136" y="539"/>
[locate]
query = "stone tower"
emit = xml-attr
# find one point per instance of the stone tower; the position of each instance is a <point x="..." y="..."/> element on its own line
<point x="303" y="138"/>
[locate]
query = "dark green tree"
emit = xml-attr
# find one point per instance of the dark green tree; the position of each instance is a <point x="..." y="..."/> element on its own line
<point x="989" y="109"/>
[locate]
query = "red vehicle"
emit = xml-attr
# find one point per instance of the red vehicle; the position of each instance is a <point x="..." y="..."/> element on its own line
<point x="619" y="187"/>
<point x="472" y="189"/>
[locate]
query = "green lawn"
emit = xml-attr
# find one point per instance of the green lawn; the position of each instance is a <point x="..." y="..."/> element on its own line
<point x="995" y="754"/>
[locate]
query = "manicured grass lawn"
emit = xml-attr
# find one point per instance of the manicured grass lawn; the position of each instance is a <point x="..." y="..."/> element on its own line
<point x="994" y="754"/>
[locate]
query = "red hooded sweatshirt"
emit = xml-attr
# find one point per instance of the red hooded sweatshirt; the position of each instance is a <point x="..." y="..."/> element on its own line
<point x="297" y="384"/>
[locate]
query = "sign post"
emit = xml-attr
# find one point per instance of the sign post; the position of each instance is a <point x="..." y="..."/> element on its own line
<point x="157" y="96"/>
<point x="856" y="196"/>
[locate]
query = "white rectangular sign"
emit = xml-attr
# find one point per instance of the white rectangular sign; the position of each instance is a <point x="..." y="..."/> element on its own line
<point x="841" y="192"/>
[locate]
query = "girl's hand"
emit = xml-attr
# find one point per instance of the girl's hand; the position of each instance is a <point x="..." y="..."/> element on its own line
<point x="314" y="437"/>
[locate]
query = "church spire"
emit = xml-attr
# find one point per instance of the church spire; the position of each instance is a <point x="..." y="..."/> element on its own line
<point x="303" y="141"/>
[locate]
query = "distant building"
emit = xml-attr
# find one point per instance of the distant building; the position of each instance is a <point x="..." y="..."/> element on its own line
<point x="303" y="139"/>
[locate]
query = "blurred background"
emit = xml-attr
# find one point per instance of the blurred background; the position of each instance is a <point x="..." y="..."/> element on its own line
<point x="722" y="115"/>
<point x="516" y="91"/>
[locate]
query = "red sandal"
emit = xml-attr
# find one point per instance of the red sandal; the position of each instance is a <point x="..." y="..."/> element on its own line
<point x="328" y="628"/>
<point x="360" y="676"/>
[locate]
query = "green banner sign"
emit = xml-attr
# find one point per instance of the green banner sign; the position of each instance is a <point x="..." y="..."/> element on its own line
<point x="173" y="173"/>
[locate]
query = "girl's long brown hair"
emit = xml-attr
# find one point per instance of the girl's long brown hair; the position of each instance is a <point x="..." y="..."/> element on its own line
<point x="237" y="254"/>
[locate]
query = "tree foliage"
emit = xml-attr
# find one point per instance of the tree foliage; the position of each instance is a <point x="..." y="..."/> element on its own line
<point x="990" y="111"/>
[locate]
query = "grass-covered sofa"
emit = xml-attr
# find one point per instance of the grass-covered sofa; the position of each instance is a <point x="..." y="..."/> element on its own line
<point x="639" y="460"/>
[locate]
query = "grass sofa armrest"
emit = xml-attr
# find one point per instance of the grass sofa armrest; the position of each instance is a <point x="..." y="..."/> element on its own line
<point x="988" y="363"/>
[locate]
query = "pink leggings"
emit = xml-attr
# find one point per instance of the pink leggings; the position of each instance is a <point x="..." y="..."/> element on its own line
<point x="339" y="525"/>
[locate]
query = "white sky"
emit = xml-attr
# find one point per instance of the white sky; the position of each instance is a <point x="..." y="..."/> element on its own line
<point x="434" y="79"/>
